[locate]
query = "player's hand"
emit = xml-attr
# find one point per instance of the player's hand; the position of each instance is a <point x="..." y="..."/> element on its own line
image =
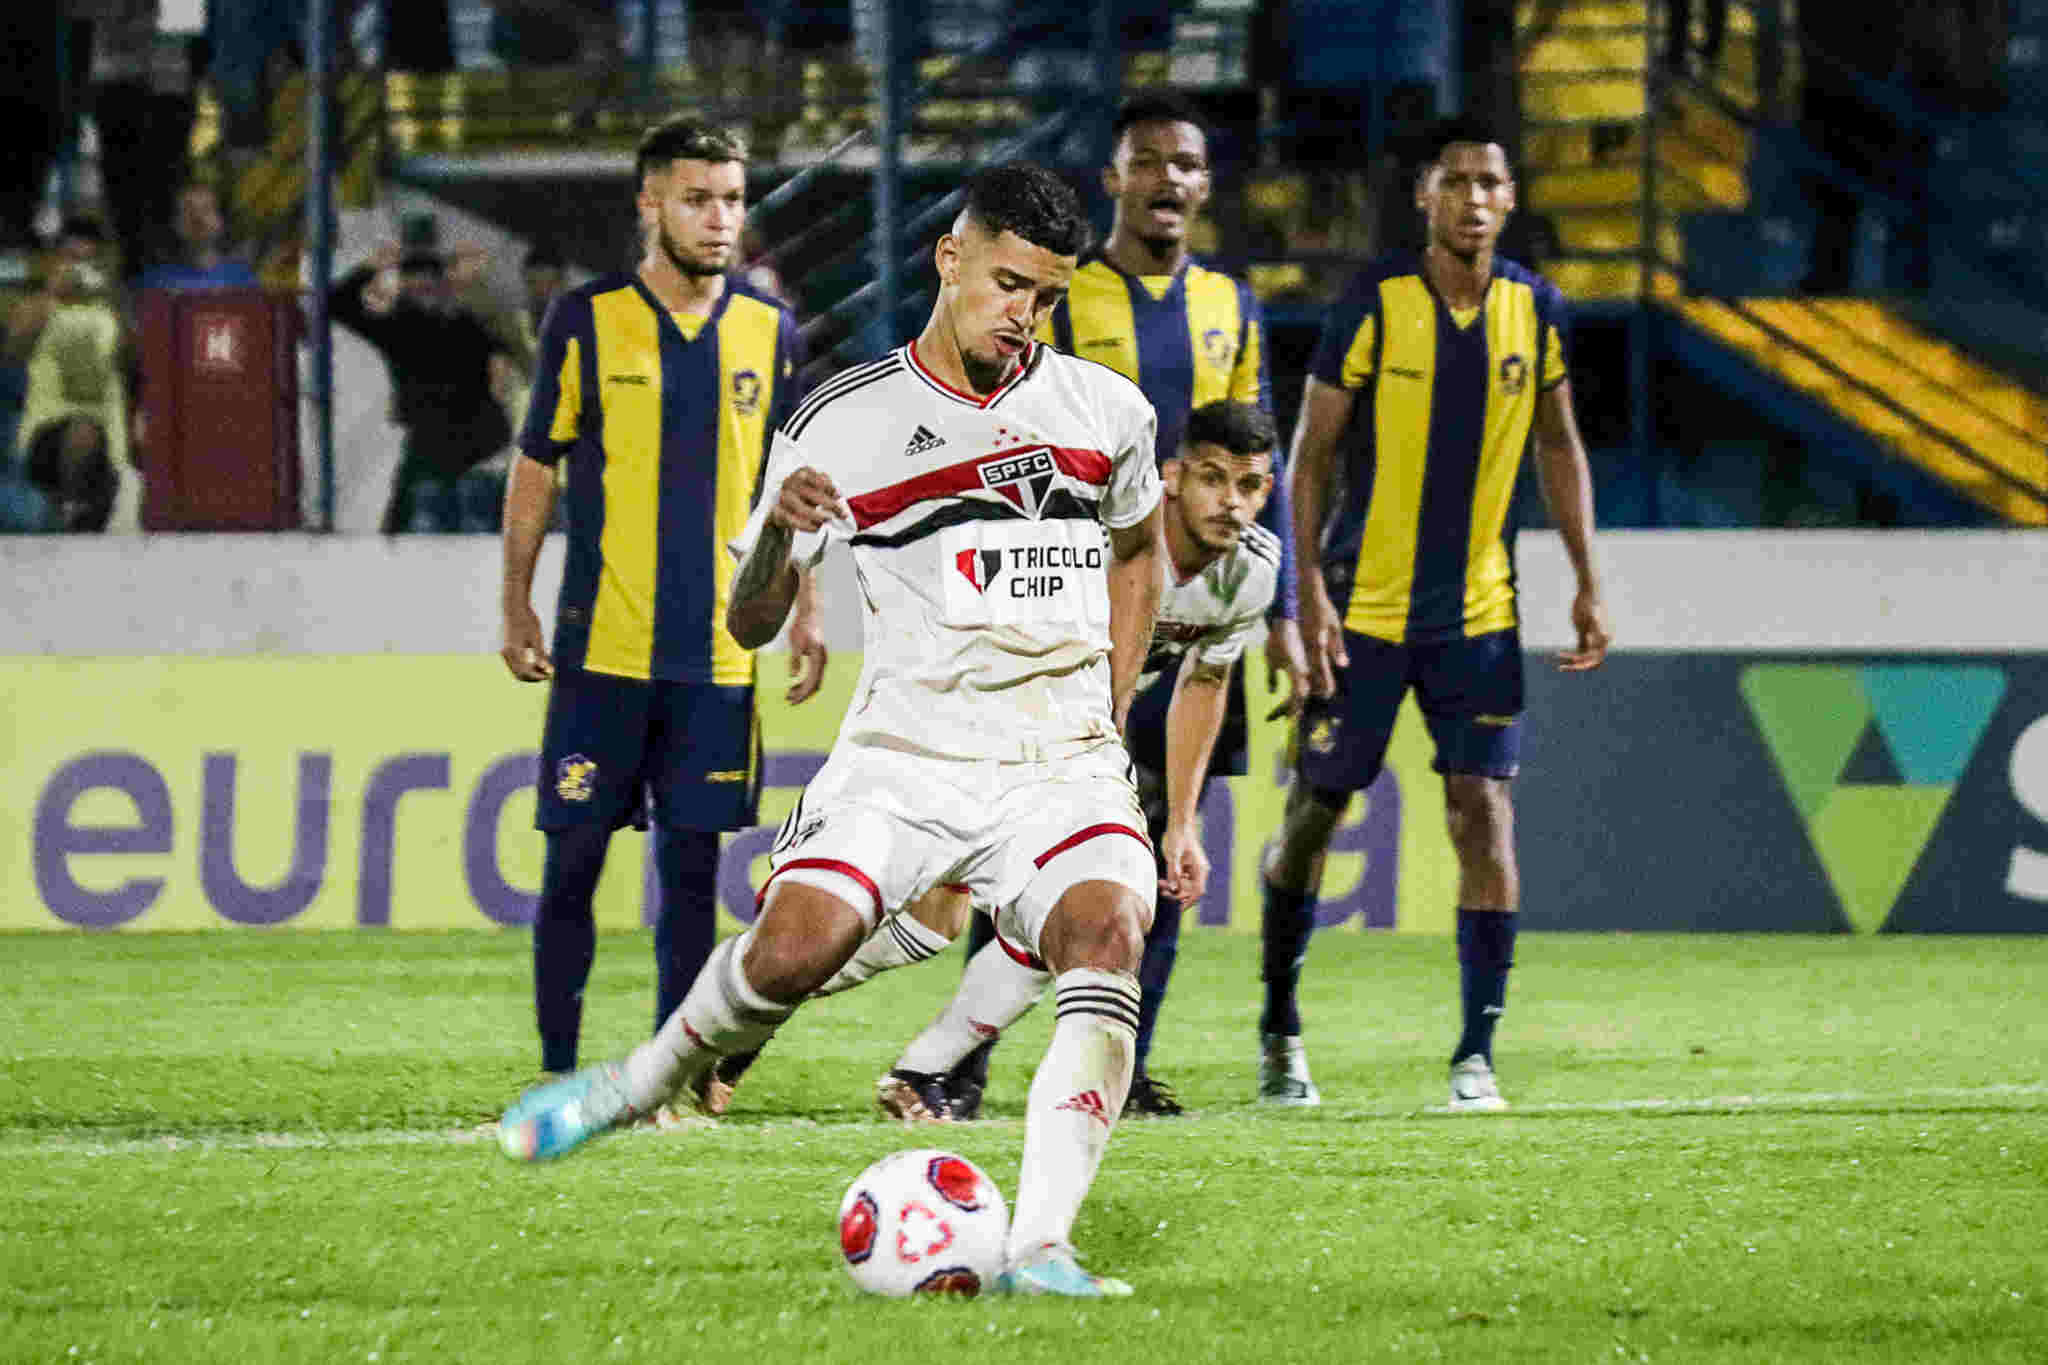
<point x="1322" y="637"/>
<point x="1187" y="866"/>
<point x="806" y="501"/>
<point x="1589" y="618"/>
<point x="386" y="256"/>
<point x="1285" y="658"/>
<point x="525" y="652"/>
<point x="807" y="658"/>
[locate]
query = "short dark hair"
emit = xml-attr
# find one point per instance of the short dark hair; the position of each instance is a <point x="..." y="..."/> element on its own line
<point x="686" y="139"/>
<point x="1031" y="201"/>
<point x="1240" y="428"/>
<point x="1154" y="108"/>
<point x="1446" y="132"/>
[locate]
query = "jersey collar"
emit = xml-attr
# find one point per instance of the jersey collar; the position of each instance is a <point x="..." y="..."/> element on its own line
<point x="1026" y="363"/>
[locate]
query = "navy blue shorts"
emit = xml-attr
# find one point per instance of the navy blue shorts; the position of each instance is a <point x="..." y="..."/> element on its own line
<point x="613" y="743"/>
<point x="1470" y="692"/>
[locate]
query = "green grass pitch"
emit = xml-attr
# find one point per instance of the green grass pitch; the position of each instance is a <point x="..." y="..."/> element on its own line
<point x="264" y="1147"/>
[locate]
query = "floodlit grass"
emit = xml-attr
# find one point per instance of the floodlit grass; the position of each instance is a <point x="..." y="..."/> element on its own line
<point x="264" y="1147"/>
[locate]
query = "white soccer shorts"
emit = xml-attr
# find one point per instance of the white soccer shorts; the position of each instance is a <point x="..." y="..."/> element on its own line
<point x="880" y="827"/>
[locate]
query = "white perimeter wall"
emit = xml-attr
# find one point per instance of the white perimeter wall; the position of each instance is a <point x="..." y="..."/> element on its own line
<point x="1667" y="590"/>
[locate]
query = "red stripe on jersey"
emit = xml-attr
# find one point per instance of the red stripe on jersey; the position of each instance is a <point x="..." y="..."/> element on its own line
<point x="878" y="505"/>
<point x="1082" y="837"/>
<point x="1023" y="368"/>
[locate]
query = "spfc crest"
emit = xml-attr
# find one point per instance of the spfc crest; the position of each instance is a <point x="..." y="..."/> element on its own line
<point x="1023" y="480"/>
<point x="1322" y="736"/>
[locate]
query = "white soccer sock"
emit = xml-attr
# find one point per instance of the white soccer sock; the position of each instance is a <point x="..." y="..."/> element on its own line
<point x="898" y="941"/>
<point x="723" y="1014"/>
<point x="1075" y="1100"/>
<point x="995" y="992"/>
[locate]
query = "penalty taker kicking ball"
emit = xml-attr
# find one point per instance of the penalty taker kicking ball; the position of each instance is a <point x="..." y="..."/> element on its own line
<point x="923" y="1222"/>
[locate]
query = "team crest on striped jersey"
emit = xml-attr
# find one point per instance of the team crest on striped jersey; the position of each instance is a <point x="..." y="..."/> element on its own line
<point x="1022" y="479"/>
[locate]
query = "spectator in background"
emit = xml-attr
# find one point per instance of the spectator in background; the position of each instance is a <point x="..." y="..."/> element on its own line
<point x="543" y="274"/>
<point x="31" y="108"/>
<point x="72" y="336"/>
<point x="253" y="42"/>
<point x="199" y="260"/>
<point x="446" y="366"/>
<point x="143" y="104"/>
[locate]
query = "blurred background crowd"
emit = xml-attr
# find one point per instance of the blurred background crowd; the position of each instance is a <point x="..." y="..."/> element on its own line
<point x="1805" y="244"/>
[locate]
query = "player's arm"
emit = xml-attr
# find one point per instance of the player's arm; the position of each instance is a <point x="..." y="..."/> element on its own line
<point x="767" y="585"/>
<point x="529" y="508"/>
<point x="348" y="302"/>
<point x="1194" y="718"/>
<point x="1568" y="491"/>
<point x="808" y="654"/>
<point x="1325" y="412"/>
<point x="1137" y="577"/>
<point x="554" y="420"/>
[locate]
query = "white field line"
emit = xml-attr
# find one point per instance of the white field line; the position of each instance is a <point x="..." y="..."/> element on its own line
<point x="221" y="1140"/>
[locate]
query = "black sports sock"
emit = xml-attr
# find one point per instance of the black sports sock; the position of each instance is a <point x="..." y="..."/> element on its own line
<point x="1155" y="968"/>
<point x="1286" y="919"/>
<point x="565" y="938"/>
<point x="1486" y="950"/>
<point x="686" y="922"/>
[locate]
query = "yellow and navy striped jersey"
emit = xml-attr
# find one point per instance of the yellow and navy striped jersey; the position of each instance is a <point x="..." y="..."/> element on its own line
<point x="665" y="421"/>
<point x="1184" y="339"/>
<point x="1416" y="551"/>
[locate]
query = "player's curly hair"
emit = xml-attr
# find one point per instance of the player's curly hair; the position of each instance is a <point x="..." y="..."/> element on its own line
<point x="687" y="139"/>
<point x="1240" y="428"/>
<point x="1031" y="201"/>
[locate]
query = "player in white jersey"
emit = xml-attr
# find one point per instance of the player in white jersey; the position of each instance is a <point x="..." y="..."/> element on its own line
<point x="1224" y="571"/>
<point x="1001" y="503"/>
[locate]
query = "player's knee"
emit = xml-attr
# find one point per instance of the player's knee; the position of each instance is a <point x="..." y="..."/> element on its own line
<point x="1479" y="812"/>
<point x="803" y="936"/>
<point x="1098" y="925"/>
<point x="944" y="910"/>
<point x="1311" y="817"/>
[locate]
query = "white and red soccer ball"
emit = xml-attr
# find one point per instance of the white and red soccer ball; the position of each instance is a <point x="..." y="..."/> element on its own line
<point x="923" y="1222"/>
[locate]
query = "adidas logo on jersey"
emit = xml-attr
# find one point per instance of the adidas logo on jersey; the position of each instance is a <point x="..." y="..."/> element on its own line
<point x="922" y="440"/>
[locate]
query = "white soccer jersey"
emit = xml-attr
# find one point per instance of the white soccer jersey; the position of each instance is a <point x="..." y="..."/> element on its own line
<point x="1219" y="611"/>
<point x="979" y="543"/>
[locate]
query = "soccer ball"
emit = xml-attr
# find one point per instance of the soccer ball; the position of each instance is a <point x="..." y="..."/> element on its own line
<point x="923" y="1222"/>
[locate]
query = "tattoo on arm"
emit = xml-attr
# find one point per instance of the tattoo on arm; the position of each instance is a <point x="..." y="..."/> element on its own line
<point x="761" y="572"/>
